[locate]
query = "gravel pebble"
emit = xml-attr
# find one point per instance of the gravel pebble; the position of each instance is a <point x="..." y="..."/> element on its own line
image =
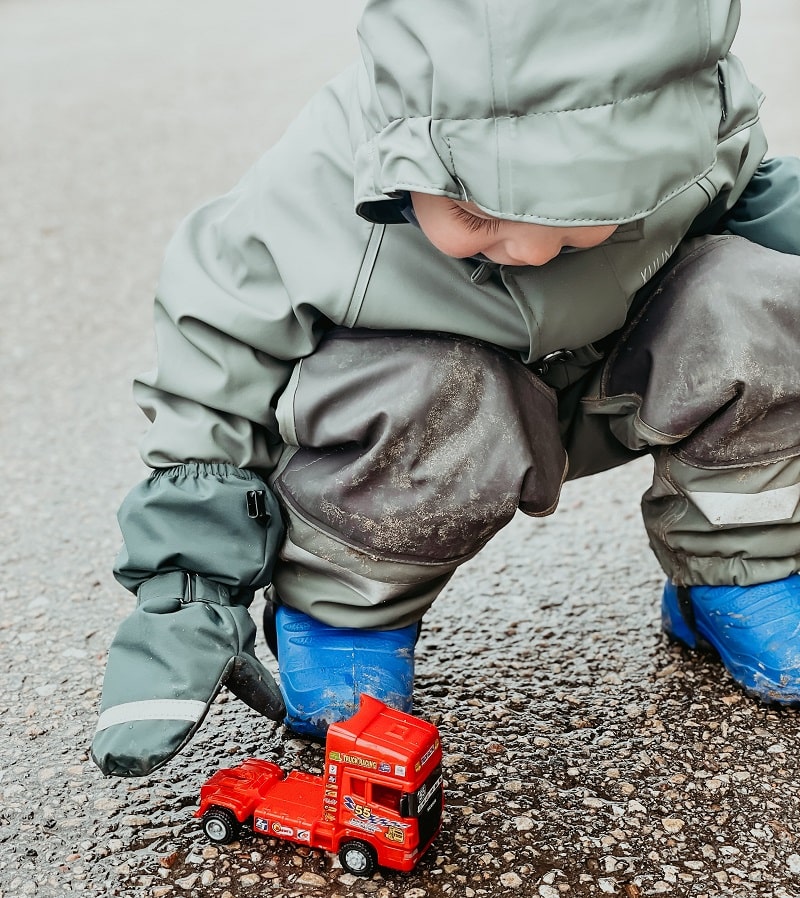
<point x="312" y="879"/>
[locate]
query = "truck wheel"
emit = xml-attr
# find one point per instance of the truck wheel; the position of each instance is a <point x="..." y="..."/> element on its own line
<point x="220" y="825"/>
<point x="358" y="858"/>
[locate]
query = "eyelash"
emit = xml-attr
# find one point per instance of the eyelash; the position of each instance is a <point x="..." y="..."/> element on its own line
<point x="473" y="223"/>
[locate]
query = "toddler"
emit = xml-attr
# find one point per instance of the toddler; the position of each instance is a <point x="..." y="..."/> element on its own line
<point x="515" y="243"/>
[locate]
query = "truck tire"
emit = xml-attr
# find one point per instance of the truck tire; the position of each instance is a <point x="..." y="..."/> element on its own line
<point x="358" y="858"/>
<point x="220" y="825"/>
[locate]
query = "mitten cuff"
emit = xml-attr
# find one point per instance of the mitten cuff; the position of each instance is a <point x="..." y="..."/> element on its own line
<point x="214" y="520"/>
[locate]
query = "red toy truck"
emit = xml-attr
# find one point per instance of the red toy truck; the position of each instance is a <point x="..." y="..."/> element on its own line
<point x="379" y="801"/>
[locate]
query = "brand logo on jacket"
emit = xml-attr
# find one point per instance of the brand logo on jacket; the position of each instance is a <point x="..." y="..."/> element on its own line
<point x="662" y="258"/>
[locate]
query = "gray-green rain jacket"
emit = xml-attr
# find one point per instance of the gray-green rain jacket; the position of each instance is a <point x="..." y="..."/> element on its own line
<point x="563" y="113"/>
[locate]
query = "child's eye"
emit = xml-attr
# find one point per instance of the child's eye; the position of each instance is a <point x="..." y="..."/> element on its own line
<point x="473" y="223"/>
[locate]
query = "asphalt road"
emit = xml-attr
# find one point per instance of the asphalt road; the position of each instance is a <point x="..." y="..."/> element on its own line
<point x="583" y="754"/>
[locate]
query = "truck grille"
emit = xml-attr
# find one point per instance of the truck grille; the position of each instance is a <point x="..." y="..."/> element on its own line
<point x="431" y="816"/>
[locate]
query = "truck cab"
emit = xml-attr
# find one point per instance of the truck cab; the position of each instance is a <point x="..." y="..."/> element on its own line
<point x="378" y="802"/>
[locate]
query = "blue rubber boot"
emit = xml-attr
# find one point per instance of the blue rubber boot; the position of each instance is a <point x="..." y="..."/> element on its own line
<point x="324" y="670"/>
<point x="754" y="629"/>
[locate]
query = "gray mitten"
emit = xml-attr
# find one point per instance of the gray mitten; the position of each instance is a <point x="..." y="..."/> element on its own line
<point x="168" y="661"/>
<point x="191" y="633"/>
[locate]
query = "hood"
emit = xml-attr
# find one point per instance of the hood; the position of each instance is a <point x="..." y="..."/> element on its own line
<point x="558" y="112"/>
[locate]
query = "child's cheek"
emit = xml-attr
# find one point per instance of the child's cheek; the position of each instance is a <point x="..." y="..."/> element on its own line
<point x="455" y="242"/>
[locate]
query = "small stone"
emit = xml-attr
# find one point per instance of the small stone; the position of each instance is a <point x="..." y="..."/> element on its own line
<point x="186" y="882"/>
<point x="607" y="886"/>
<point x="159" y="832"/>
<point x="415" y="893"/>
<point x="523" y="824"/>
<point x="206" y="877"/>
<point x="312" y="879"/>
<point x="670" y="872"/>
<point x="546" y="891"/>
<point x="511" y="880"/>
<point x="731" y="699"/>
<point x="672" y="824"/>
<point x="793" y="862"/>
<point x="249" y="879"/>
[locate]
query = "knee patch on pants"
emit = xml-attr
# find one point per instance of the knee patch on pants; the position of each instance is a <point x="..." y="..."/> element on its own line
<point x="711" y="361"/>
<point x="417" y="446"/>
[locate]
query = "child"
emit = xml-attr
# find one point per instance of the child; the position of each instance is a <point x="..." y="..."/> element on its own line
<point x="499" y="251"/>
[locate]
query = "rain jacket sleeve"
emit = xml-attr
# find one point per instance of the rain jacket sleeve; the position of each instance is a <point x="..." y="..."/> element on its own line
<point x="228" y="333"/>
<point x="768" y="212"/>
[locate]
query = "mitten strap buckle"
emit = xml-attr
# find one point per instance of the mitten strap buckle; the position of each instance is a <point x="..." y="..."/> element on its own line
<point x="186" y="587"/>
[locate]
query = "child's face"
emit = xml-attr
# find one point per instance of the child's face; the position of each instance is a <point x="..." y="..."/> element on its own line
<point x="462" y="230"/>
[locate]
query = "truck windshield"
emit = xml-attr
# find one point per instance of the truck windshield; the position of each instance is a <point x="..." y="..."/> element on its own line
<point x="415" y="804"/>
